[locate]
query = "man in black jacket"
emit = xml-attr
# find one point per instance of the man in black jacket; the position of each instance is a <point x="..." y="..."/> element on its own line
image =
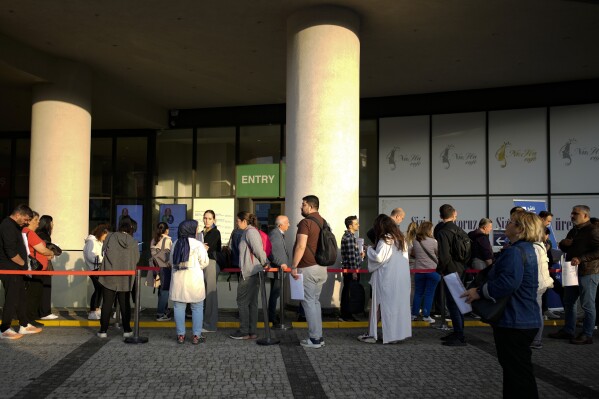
<point x="445" y="234"/>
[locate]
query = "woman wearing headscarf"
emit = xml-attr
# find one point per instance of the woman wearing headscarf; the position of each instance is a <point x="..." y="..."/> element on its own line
<point x="188" y="257"/>
<point x="515" y="274"/>
<point x="120" y="253"/>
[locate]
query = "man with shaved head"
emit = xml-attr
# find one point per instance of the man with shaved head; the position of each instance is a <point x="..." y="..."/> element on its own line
<point x="278" y="258"/>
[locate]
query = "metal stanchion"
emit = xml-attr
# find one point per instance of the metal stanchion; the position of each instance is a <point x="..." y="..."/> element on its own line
<point x="281" y="325"/>
<point x="267" y="340"/>
<point x="136" y="339"/>
<point x="443" y="326"/>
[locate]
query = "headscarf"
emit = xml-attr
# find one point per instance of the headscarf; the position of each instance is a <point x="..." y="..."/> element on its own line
<point x="187" y="229"/>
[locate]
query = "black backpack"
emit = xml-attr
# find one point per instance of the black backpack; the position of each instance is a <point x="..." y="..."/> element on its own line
<point x="462" y="246"/>
<point x="326" y="250"/>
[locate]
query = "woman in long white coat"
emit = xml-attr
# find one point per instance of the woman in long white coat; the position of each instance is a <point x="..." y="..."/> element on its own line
<point x="189" y="258"/>
<point x="390" y="281"/>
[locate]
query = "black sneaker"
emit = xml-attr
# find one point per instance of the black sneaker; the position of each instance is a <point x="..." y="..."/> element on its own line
<point x="449" y="337"/>
<point x="455" y="342"/>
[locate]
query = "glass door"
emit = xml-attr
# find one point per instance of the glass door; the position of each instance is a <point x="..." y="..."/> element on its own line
<point x="267" y="212"/>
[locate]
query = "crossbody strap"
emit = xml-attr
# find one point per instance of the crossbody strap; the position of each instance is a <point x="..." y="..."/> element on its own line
<point x="428" y="253"/>
<point x="320" y="227"/>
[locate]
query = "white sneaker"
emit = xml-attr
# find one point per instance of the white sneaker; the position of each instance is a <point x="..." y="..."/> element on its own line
<point x="206" y="331"/>
<point x="51" y="316"/>
<point x="366" y="339"/>
<point x="308" y="343"/>
<point x="29" y="330"/>
<point x="428" y="319"/>
<point x="102" y="335"/>
<point x="11" y="334"/>
<point x="127" y="334"/>
<point x="93" y="316"/>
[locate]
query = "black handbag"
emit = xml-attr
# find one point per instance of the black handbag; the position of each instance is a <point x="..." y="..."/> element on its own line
<point x="34" y="264"/>
<point x="491" y="311"/>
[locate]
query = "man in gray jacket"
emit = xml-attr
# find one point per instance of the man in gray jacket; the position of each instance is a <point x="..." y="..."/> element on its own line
<point x="278" y="258"/>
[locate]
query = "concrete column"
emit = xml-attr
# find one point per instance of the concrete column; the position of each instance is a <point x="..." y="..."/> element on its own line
<point x="60" y="154"/>
<point x="323" y="98"/>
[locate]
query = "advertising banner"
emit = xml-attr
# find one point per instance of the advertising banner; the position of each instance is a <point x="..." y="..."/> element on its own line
<point x="173" y="215"/>
<point x="136" y="213"/>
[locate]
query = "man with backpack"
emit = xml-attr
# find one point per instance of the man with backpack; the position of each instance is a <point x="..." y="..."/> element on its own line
<point x="454" y="253"/>
<point x="312" y="252"/>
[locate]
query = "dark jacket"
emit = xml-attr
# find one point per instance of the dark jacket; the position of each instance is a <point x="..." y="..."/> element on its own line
<point x="120" y="253"/>
<point x="11" y="245"/>
<point x="445" y="236"/>
<point x="481" y="246"/>
<point x="585" y="246"/>
<point x="509" y="276"/>
<point x="212" y="239"/>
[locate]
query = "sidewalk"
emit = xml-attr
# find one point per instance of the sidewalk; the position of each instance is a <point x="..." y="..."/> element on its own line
<point x="73" y="363"/>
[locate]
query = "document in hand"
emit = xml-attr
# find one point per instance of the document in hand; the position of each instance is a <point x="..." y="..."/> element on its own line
<point x="456" y="288"/>
<point x="569" y="274"/>
<point x="296" y="287"/>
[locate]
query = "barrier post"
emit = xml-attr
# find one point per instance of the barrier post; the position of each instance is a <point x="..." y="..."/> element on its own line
<point x="136" y="339"/>
<point x="282" y="326"/>
<point x="443" y="326"/>
<point x="267" y="340"/>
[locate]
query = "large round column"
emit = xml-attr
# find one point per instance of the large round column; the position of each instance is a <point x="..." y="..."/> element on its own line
<point x="60" y="154"/>
<point x="323" y="98"/>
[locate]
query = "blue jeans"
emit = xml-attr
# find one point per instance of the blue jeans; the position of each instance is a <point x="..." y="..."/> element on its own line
<point x="197" y="316"/>
<point x="586" y="290"/>
<point x="162" y="302"/>
<point x="424" y="288"/>
<point x="457" y="318"/>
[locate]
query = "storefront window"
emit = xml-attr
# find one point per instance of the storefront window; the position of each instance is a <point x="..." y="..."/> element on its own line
<point x="131" y="167"/>
<point x="260" y="144"/>
<point x="215" y="167"/>
<point x="173" y="163"/>
<point x="369" y="160"/>
<point x="21" y="183"/>
<point x="101" y="167"/>
<point x="5" y="156"/>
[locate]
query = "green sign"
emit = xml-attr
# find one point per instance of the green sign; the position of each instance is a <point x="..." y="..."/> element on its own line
<point x="258" y="181"/>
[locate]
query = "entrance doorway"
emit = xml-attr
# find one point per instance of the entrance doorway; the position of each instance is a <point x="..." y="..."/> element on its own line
<point x="267" y="211"/>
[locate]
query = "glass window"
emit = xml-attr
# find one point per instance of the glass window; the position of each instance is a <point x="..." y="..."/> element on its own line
<point x="173" y="163"/>
<point x="22" y="168"/>
<point x="260" y="144"/>
<point x="369" y="159"/>
<point x="215" y="168"/>
<point x="99" y="212"/>
<point x="101" y="167"/>
<point x="5" y="156"/>
<point x="131" y="166"/>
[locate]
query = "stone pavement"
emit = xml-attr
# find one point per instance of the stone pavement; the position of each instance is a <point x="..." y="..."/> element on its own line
<point x="65" y="362"/>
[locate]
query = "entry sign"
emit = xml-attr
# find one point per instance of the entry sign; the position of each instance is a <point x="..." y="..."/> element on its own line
<point x="258" y="181"/>
<point x="499" y="239"/>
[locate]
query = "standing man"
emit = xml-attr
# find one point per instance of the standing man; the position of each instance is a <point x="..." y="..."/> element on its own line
<point x="13" y="256"/>
<point x="351" y="256"/>
<point x="278" y="258"/>
<point x="306" y="243"/>
<point x="581" y="246"/>
<point x="446" y="233"/>
<point x="397" y="215"/>
<point x="482" y="252"/>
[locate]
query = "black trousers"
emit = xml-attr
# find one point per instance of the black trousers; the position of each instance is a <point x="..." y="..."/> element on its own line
<point x="345" y="310"/>
<point x="124" y="299"/>
<point x="46" y="302"/>
<point x="514" y="355"/>
<point x="15" y="301"/>
<point x="34" y="288"/>
<point x="96" y="299"/>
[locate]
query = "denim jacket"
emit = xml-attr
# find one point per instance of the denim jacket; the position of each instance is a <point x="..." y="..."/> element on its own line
<point x="510" y="277"/>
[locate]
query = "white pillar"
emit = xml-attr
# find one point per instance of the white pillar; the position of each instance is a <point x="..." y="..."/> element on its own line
<point x="60" y="154"/>
<point x="323" y="98"/>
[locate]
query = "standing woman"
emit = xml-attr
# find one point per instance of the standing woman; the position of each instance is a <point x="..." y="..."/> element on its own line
<point x="390" y="281"/>
<point x="252" y="258"/>
<point x="44" y="231"/>
<point x="425" y="252"/>
<point x="189" y="258"/>
<point x="160" y="248"/>
<point x="120" y="253"/>
<point x="93" y="256"/>
<point x="36" y="247"/>
<point x="210" y="236"/>
<point x="515" y="274"/>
